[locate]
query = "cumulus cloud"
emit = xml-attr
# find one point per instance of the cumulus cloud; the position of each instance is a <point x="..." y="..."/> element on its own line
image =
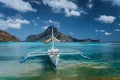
<point x="119" y="24"/>
<point x="117" y="30"/>
<point x="107" y="33"/>
<point x="51" y="22"/>
<point x="69" y="13"/>
<point x="35" y="24"/>
<point x="90" y="4"/>
<point x="36" y="2"/>
<point x="106" y="19"/>
<point x="99" y="30"/>
<point x="38" y="18"/>
<point x="2" y="15"/>
<point x="103" y="31"/>
<point x="35" y="21"/>
<point x="114" y="2"/>
<point x="69" y="8"/>
<point x="96" y="30"/>
<point x="18" y="5"/>
<point x="14" y="23"/>
<point x="71" y="33"/>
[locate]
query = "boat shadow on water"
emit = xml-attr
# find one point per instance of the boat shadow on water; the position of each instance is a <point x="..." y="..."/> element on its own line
<point x="42" y="60"/>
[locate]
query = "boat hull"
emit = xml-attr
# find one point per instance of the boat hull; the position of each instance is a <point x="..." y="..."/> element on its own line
<point x="54" y="60"/>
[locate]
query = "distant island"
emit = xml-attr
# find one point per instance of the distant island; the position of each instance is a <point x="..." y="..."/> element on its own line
<point x="42" y="37"/>
<point x="6" y="37"/>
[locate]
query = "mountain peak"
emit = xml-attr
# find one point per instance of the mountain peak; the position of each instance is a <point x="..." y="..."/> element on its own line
<point x="62" y="37"/>
<point x="51" y="27"/>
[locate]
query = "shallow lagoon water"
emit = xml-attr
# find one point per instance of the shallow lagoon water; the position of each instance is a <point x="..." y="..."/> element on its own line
<point x="103" y="65"/>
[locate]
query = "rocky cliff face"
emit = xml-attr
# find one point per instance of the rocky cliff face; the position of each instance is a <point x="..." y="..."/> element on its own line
<point x="6" y="37"/>
<point x="62" y="37"/>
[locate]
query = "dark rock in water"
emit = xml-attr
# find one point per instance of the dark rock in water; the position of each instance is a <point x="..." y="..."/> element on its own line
<point x="62" y="37"/>
<point x="6" y="37"/>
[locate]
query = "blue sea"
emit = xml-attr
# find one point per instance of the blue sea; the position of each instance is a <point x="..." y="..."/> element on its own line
<point x="104" y="62"/>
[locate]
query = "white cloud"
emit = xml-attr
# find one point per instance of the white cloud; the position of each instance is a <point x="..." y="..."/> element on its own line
<point x="117" y="30"/>
<point x="18" y="5"/>
<point x="69" y="8"/>
<point x="36" y="2"/>
<point x="38" y="18"/>
<point x="107" y="33"/>
<point x="100" y="31"/>
<point x="35" y="21"/>
<point x="21" y="21"/>
<point x="119" y="24"/>
<point x="12" y="23"/>
<point x="114" y="2"/>
<point x="71" y="12"/>
<point x="35" y="24"/>
<point x="90" y="4"/>
<point x="96" y="30"/>
<point x="2" y="15"/>
<point x="106" y="19"/>
<point x="71" y="33"/>
<point x="103" y="31"/>
<point x="44" y="27"/>
<point x="51" y="22"/>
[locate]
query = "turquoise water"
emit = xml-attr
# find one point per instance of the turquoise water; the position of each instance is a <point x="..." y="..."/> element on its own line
<point x="103" y="65"/>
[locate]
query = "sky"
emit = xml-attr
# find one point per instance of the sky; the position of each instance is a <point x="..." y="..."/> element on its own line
<point x="82" y="19"/>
